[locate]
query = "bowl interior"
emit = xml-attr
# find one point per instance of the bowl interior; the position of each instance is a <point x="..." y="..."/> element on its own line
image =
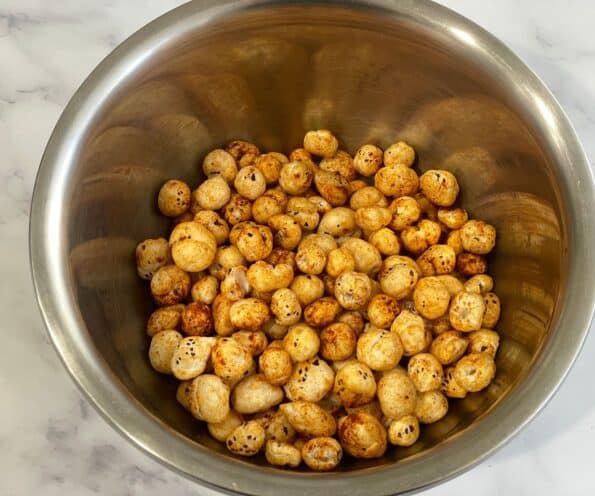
<point x="268" y="74"/>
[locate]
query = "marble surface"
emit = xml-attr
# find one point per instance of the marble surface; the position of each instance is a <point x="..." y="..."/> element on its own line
<point x="51" y="441"/>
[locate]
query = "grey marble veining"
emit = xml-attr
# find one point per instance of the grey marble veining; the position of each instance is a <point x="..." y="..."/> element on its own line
<point x="51" y="441"/>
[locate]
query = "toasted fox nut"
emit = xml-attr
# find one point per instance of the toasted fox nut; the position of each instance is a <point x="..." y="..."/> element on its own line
<point x="340" y="163"/>
<point x="353" y="290"/>
<point x="338" y="261"/>
<point x="274" y="330"/>
<point x="379" y="349"/>
<point x="396" y="394"/>
<point x="226" y="258"/>
<point x="235" y="285"/>
<point x="355" y="384"/>
<point x="454" y="241"/>
<point x="404" y="431"/>
<point x="466" y="311"/>
<point x="453" y="218"/>
<point x="221" y="430"/>
<point x="255" y="394"/>
<point x="300" y="154"/>
<point x="253" y="341"/>
<point x="311" y="380"/>
<point x="321" y="143"/>
<point x="296" y="177"/>
<point x="276" y="365"/>
<point x="214" y="223"/>
<point x="324" y="241"/>
<point x="239" y="148"/>
<point x="209" y="398"/>
<point x="286" y="307"/>
<point x="301" y="342"/>
<point x="399" y="154"/>
<point x="231" y="361"/>
<point x="372" y="218"/>
<point x="239" y="209"/>
<point x="221" y="317"/>
<point x="382" y="310"/>
<point x="398" y="276"/>
<point x="205" y="289"/>
<point x="440" y="187"/>
<point x="431" y="406"/>
<point x="282" y="454"/>
<point x="339" y="221"/>
<point x="249" y="314"/>
<point x="311" y="259"/>
<point x="151" y="255"/>
<point x="452" y="284"/>
<point x="321" y="312"/>
<point x="481" y="283"/>
<point x="491" y="314"/>
<point x="276" y="426"/>
<point x="322" y="205"/>
<point x="191" y="356"/>
<point x="367" y="160"/>
<point x="337" y="341"/>
<point x="414" y="240"/>
<point x="385" y="241"/>
<point x="450" y="387"/>
<point x="281" y="256"/>
<point x="164" y="318"/>
<point x="367" y="257"/>
<point x="213" y="194"/>
<point x="411" y="330"/>
<point x="353" y="319"/>
<point x="197" y="319"/>
<point x="373" y="408"/>
<point x="269" y="205"/>
<point x="193" y="246"/>
<point x="250" y="182"/>
<point x="269" y="165"/>
<point x="264" y="277"/>
<point x="470" y="264"/>
<point x="398" y="180"/>
<point x="247" y="439"/>
<point x="288" y="232"/>
<point x="448" y="347"/>
<point x="170" y="285"/>
<point x="322" y="453"/>
<point x="220" y="163"/>
<point x="425" y="371"/>
<point x="431" y="298"/>
<point x="174" y="198"/>
<point x="478" y="237"/>
<point x="183" y="394"/>
<point x="362" y="435"/>
<point x="405" y="212"/>
<point x="254" y="241"/>
<point x="474" y="372"/>
<point x="333" y="187"/>
<point x="367" y="197"/>
<point x="308" y="418"/>
<point x="437" y="260"/>
<point x="308" y="288"/>
<point x="304" y="212"/>
<point x="484" y="341"/>
<point x="162" y="349"/>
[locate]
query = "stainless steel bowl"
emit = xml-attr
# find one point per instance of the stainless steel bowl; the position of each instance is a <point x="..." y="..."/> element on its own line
<point x="370" y="70"/>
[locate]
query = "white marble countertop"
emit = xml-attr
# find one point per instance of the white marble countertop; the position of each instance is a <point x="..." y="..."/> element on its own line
<point x="51" y="440"/>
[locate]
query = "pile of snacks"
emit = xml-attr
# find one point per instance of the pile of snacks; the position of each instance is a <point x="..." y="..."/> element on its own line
<point x="307" y="312"/>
